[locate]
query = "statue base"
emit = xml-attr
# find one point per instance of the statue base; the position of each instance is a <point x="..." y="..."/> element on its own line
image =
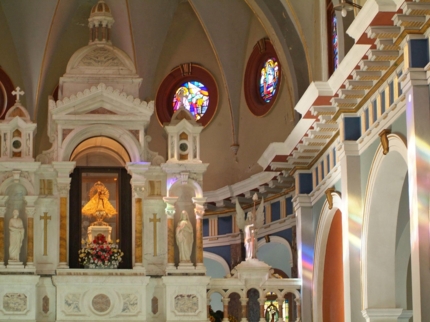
<point x="11" y="264"/>
<point x="93" y="231"/>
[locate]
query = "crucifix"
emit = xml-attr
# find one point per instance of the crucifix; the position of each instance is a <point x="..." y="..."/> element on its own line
<point x="17" y="92"/>
<point x="45" y="219"/>
<point x="154" y="220"/>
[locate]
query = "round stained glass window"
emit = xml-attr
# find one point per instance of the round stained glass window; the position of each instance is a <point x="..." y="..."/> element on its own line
<point x="269" y="79"/>
<point x="193" y="96"/>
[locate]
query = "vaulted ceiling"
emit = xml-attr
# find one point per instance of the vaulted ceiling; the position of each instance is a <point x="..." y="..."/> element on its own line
<point x="39" y="37"/>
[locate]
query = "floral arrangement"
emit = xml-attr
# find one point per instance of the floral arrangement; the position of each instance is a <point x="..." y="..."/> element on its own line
<point x="100" y="253"/>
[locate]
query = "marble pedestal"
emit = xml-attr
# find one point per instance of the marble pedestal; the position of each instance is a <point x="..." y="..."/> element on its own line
<point x="93" y="231"/>
<point x="101" y="295"/>
<point x="18" y="297"/>
<point x="186" y="298"/>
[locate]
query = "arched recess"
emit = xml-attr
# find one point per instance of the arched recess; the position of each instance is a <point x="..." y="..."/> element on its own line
<point x="322" y="235"/>
<point x="217" y="264"/>
<point x="100" y="151"/>
<point x="273" y="258"/>
<point x="79" y="135"/>
<point x="381" y="213"/>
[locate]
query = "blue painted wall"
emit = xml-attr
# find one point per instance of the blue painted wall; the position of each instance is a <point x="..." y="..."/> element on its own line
<point x="276" y="210"/>
<point x="225" y="225"/>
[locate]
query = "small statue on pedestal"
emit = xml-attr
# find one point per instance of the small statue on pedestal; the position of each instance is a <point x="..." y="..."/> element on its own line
<point x="254" y="221"/>
<point x="184" y="238"/>
<point x="16" y="236"/>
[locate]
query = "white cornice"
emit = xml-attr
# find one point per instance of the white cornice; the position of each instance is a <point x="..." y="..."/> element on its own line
<point x="314" y="90"/>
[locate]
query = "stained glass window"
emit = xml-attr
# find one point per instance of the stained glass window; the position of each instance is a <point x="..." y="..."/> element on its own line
<point x="194" y="96"/>
<point x="335" y="42"/>
<point x="269" y="79"/>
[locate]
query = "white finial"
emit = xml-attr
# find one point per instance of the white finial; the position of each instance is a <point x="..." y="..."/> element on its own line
<point x="17" y="92"/>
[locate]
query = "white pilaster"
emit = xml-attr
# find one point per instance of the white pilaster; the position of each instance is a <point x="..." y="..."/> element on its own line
<point x="305" y="251"/>
<point x="416" y="89"/>
<point x="351" y="228"/>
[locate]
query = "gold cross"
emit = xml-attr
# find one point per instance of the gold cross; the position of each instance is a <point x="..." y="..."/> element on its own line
<point x="154" y="220"/>
<point x="45" y="219"/>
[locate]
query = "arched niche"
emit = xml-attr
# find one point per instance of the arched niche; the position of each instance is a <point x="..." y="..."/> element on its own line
<point x="100" y="151"/>
<point x="185" y="193"/>
<point x="277" y="253"/>
<point x="321" y="238"/>
<point x="384" y="191"/>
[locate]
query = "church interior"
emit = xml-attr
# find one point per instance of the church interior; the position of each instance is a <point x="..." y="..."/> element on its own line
<point x="214" y="160"/>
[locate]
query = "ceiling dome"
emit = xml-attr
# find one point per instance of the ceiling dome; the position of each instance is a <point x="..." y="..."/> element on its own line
<point x="101" y="9"/>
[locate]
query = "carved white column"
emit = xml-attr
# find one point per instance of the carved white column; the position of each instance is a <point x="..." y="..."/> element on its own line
<point x="170" y="213"/>
<point x="244" y="303"/>
<point x="199" y="211"/>
<point x="30" y="211"/>
<point x="63" y="186"/>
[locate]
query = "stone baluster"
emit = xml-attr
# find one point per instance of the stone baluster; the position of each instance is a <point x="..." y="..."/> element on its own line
<point x="2" y="244"/>
<point x="199" y="211"/>
<point x="281" y="309"/>
<point x="299" y="309"/>
<point x="170" y="213"/>
<point x="138" y="226"/>
<point x="225" y="303"/>
<point x="30" y="236"/>
<point x="262" y="317"/>
<point x="244" y="302"/>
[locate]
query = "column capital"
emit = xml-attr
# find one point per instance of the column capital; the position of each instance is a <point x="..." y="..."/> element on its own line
<point x="64" y="187"/>
<point x="30" y="211"/>
<point x="137" y="171"/>
<point x="2" y="212"/>
<point x="348" y="148"/>
<point x="413" y="76"/>
<point x="199" y="209"/>
<point x="138" y="190"/>
<point x="300" y="201"/>
<point x="64" y="168"/>
<point x="170" y="206"/>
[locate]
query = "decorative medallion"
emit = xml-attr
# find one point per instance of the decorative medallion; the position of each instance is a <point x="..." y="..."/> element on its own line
<point x="186" y="303"/>
<point x="101" y="57"/>
<point x="101" y="303"/>
<point x="15" y="302"/>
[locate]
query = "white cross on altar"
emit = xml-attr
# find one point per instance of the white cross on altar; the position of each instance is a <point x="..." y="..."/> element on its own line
<point x="17" y="92"/>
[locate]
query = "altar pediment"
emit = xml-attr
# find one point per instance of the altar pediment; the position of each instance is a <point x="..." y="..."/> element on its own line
<point x="101" y="104"/>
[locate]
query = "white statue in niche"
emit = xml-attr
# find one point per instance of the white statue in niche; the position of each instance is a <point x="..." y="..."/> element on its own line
<point x="184" y="238"/>
<point x="16" y="236"/>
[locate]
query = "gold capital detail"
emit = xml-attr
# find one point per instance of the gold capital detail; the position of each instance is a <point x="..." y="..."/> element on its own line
<point x="45" y="219"/>
<point x="384" y="141"/>
<point x="154" y="220"/>
<point x="138" y="232"/>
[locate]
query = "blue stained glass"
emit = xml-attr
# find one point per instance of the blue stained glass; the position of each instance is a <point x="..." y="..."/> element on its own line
<point x="269" y="79"/>
<point x="193" y="96"/>
<point x="335" y="43"/>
